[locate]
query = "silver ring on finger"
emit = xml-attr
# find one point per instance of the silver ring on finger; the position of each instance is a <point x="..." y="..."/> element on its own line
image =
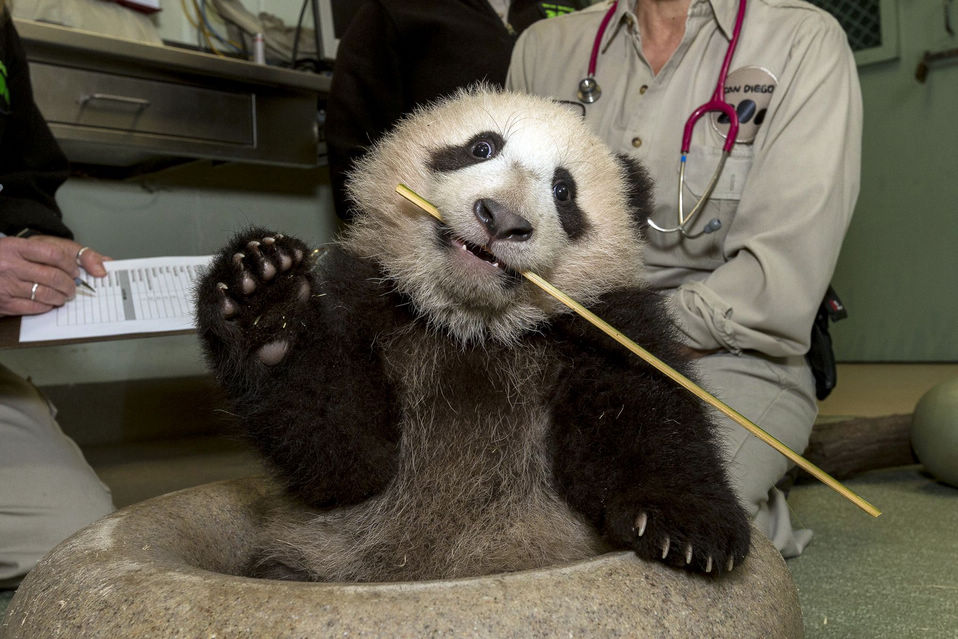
<point x="33" y="291"/>
<point x="79" y="253"/>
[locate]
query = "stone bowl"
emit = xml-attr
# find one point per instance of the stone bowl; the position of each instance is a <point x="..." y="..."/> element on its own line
<point x="171" y="567"/>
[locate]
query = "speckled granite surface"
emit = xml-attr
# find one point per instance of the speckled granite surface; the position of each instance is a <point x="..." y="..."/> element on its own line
<point x="169" y="567"/>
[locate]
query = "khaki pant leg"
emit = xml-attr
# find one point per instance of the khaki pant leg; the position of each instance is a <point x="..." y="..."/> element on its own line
<point x="47" y="489"/>
<point x="777" y="394"/>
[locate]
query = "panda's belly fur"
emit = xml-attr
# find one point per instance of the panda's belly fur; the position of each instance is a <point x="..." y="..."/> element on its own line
<point x="473" y="493"/>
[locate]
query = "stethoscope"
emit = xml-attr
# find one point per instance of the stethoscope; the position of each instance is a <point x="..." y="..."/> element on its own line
<point x="589" y="91"/>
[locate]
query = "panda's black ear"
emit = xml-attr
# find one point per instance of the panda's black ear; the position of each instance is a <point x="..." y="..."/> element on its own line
<point x="639" y="185"/>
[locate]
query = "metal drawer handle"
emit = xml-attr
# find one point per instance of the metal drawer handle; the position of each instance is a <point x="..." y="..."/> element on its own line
<point x="140" y="102"/>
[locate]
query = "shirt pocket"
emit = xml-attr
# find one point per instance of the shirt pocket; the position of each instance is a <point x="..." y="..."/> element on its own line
<point x="701" y="164"/>
<point x="708" y="251"/>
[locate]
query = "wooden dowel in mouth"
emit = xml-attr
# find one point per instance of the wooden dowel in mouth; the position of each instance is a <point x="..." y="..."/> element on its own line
<point x="670" y="372"/>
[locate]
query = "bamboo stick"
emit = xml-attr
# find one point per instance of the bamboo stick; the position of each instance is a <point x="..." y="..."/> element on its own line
<point x="670" y="372"/>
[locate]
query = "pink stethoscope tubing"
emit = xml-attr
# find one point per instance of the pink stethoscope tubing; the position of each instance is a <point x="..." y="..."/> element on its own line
<point x="716" y="103"/>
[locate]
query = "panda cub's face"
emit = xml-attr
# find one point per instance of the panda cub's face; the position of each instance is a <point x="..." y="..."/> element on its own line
<point x="522" y="185"/>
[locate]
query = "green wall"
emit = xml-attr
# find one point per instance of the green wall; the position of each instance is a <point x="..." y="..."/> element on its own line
<point x="898" y="271"/>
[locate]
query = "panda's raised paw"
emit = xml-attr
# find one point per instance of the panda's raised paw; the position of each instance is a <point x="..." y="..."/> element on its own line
<point x="261" y="284"/>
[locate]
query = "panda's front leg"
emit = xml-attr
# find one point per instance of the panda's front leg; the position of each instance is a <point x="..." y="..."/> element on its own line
<point x="635" y="453"/>
<point x="639" y="460"/>
<point x="292" y="342"/>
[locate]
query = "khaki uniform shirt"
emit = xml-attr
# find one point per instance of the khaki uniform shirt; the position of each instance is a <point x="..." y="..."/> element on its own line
<point x="787" y="192"/>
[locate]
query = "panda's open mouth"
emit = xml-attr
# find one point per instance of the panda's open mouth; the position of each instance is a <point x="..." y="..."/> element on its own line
<point x="478" y="251"/>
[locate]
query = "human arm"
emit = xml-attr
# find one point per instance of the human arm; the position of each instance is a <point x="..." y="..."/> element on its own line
<point x="32" y="167"/>
<point x="366" y="95"/>
<point x="781" y="247"/>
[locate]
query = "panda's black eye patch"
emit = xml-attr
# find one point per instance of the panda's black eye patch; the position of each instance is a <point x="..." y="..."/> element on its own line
<point x="571" y="217"/>
<point x="481" y="147"/>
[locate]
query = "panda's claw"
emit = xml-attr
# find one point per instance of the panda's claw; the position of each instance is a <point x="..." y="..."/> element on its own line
<point x="640" y="522"/>
<point x="708" y="564"/>
<point x="665" y="547"/>
<point x="730" y="565"/>
<point x="688" y="554"/>
<point x="228" y="307"/>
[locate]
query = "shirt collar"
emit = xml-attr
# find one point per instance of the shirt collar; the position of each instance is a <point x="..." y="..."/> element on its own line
<point x="723" y="11"/>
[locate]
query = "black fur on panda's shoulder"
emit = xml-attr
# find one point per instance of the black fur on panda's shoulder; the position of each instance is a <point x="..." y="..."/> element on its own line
<point x="295" y="412"/>
<point x="640" y="190"/>
<point x="625" y="435"/>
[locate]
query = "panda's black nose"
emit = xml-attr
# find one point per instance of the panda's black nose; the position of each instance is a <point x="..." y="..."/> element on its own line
<point x="501" y="223"/>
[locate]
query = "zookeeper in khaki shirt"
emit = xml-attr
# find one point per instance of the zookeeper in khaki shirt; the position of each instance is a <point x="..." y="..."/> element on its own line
<point x="745" y="295"/>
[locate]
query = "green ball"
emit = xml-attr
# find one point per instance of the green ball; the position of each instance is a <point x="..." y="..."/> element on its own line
<point x="934" y="431"/>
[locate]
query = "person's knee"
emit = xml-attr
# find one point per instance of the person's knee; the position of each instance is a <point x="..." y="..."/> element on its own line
<point x="80" y="499"/>
<point x="44" y="506"/>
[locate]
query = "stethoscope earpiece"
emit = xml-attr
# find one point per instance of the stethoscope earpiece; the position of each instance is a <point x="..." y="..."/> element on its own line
<point x="589" y="90"/>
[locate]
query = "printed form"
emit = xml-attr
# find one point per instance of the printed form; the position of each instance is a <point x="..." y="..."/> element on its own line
<point x="147" y="295"/>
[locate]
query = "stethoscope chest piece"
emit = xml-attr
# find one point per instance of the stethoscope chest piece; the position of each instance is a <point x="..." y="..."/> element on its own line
<point x="589" y="90"/>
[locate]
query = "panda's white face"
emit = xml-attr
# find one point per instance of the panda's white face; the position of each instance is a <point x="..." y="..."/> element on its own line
<point x="522" y="185"/>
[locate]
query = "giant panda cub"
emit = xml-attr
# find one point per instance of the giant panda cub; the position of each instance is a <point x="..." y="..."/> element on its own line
<point x="429" y="412"/>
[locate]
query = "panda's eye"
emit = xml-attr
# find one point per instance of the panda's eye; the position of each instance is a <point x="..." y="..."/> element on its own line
<point x="561" y="191"/>
<point x="480" y="148"/>
<point x="483" y="150"/>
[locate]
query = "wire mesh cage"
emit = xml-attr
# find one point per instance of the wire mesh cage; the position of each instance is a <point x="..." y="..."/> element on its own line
<point x="871" y="26"/>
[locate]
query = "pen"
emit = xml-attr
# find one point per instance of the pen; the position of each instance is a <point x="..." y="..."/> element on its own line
<point x="79" y="282"/>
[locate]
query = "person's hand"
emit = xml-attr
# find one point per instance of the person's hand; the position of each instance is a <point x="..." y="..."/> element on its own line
<point x="37" y="273"/>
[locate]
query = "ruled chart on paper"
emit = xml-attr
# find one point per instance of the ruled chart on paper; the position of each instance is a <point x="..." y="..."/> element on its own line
<point x="148" y="295"/>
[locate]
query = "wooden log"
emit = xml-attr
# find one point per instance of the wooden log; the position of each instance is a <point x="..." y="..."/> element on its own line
<point x="847" y="447"/>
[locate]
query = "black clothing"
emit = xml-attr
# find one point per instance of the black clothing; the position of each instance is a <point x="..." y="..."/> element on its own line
<point x="397" y="54"/>
<point x="32" y="166"/>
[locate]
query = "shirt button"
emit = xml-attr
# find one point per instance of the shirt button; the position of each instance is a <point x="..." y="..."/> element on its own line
<point x="636" y="142"/>
<point x="643" y="89"/>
